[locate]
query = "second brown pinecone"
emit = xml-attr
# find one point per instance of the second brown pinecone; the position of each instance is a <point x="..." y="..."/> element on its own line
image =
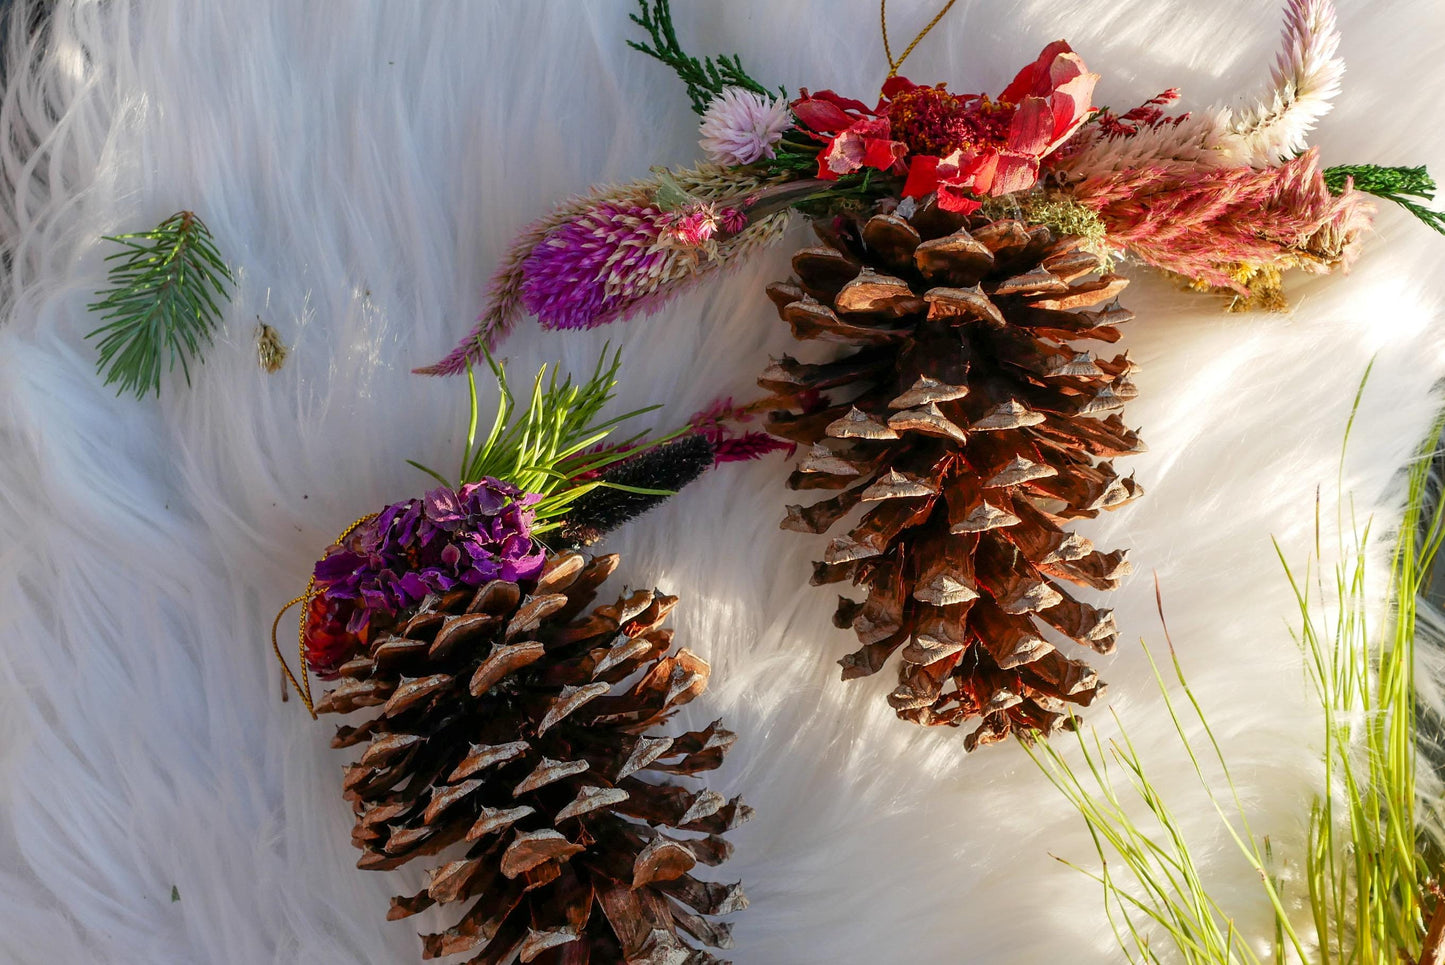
<point x="515" y="731"/>
<point x="970" y="430"/>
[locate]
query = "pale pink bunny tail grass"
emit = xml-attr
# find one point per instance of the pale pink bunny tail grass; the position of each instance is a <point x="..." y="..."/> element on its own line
<point x="1303" y="84"/>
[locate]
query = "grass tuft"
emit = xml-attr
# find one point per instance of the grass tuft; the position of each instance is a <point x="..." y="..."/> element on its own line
<point x="1370" y="866"/>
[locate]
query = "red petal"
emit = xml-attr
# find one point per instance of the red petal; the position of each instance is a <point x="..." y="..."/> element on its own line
<point x="824" y="172"/>
<point x="894" y="86"/>
<point x="953" y="199"/>
<point x="882" y="154"/>
<point x="1015" y="172"/>
<point x="827" y="112"/>
<point x="821" y="115"/>
<point x="1032" y="128"/>
<point x="1034" y="79"/>
<point x="922" y="177"/>
<point x="1071" y="105"/>
<point x="1064" y="68"/>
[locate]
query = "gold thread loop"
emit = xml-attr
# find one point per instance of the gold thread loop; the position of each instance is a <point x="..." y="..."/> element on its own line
<point x="893" y="65"/>
<point x="285" y="667"/>
<point x="303" y="688"/>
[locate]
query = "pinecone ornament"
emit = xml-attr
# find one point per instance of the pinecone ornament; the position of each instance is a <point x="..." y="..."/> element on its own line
<point x="514" y="731"/>
<point x="968" y="428"/>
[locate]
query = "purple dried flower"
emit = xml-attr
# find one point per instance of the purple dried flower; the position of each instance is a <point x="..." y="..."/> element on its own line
<point x="447" y="538"/>
<point x="597" y="267"/>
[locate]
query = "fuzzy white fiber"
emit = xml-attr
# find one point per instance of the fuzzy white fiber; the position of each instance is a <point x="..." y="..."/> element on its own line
<point x="364" y="166"/>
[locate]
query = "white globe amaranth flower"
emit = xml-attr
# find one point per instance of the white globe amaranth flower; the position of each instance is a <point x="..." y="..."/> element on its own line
<point x="741" y="127"/>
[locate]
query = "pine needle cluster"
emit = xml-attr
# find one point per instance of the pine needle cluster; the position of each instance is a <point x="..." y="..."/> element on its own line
<point x="1370" y="871"/>
<point x="554" y="446"/>
<point x="160" y="307"/>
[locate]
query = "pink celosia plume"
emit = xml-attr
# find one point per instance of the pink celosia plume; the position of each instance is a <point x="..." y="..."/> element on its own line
<point x="1201" y="222"/>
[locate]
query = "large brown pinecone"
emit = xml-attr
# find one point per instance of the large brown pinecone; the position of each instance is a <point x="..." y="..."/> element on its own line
<point x="517" y="730"/>
<point x="965" y="421"/>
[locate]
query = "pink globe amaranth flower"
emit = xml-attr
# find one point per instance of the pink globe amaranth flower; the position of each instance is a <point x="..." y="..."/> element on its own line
<point x="741" y="127"/>
<point x="733" y="220"/>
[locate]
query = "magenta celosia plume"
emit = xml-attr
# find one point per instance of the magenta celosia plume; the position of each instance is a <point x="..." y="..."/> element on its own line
<point x="596" y="267"/>
<point x="720" y="425"/>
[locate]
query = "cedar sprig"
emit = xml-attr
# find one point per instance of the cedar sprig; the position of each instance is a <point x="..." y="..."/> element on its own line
<point x="1407" y="187"/>
<point x="706" y="78"/>
<point x="160" y="307"/>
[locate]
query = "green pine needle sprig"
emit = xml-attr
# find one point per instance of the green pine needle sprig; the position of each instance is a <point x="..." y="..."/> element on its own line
<point x="554" y="445"/>
<point x="160" y="307"/>
<point x="706" y="78"/>
<point x="1407" y="187"/>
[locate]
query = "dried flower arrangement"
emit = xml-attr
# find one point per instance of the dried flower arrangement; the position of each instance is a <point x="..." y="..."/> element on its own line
<point x="511" y="719"/>
<point x="1225" y="198"/>
<point x="966" y="248"/>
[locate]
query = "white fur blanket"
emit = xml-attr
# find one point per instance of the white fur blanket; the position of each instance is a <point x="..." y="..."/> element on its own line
<point x="363" y="166"/>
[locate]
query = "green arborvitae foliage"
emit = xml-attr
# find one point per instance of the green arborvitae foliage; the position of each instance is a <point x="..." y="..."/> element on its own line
<point x="160" y="307"/>
<point x="1407" y="187"/>
<point x="706" y="78"/>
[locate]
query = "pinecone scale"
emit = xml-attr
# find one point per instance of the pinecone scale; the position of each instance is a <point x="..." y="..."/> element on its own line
<point x="513" y="737"/>
<point x="962" y="430"/>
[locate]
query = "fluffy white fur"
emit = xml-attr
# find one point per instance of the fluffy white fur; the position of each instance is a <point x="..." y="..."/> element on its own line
<point x="364" y="166"/>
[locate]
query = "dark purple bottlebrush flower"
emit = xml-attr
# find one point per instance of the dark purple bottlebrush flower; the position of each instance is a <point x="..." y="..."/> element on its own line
<point x="448" y="538"/>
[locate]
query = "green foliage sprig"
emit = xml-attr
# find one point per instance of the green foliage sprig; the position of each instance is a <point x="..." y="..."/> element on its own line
<point x="1370" y="866"/>
<point x="160" y="307"/>
<point x="554" y="446"/>
<point x="706" y="78"/>
<point x="1407" y="187"/>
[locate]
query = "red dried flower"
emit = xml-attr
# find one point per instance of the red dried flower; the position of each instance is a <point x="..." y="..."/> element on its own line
<point x="961" y="146"/>
<point x="993" y="147"/>
<point x="854" y="136"/>
<point x="328" y="643"/>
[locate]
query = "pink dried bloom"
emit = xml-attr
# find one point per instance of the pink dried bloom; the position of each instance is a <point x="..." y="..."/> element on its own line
<point x="741" y="127"/>
<point x="694" y="226"/>
<point x="718" y="425"/>
<point x="1203" y="222"/>
<point x="732" y="220"/>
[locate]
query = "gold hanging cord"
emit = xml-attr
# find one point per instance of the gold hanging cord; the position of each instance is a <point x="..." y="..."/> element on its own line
<point x="303" y="687"/>
<point x="893" y="65"/>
